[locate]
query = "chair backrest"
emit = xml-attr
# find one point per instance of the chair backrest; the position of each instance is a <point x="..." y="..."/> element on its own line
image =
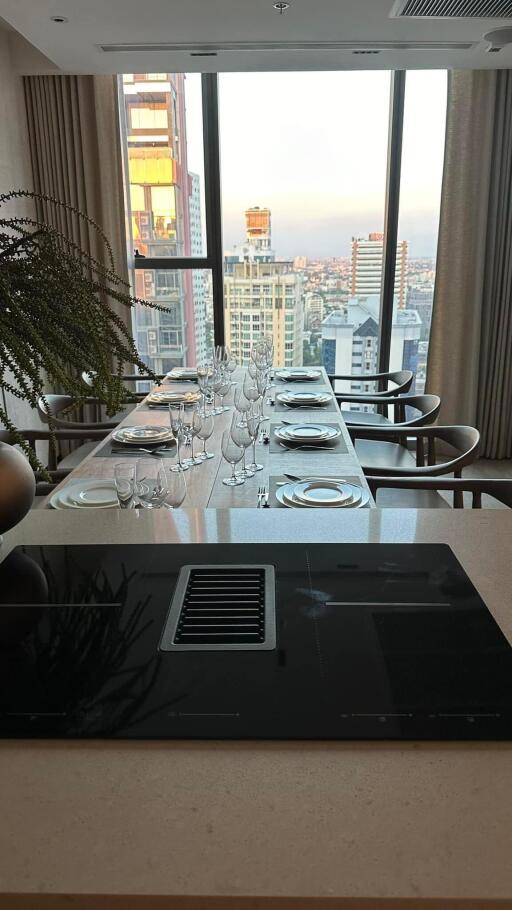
<point x="55" y="405"/>
<point x="401" y="379"/>
<point x="500" y="489"/>
<point x="427" y="405"/>
<point x="464" y="440"/>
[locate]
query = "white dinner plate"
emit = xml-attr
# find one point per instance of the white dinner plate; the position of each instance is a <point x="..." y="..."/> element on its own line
<point x="142" y="434"/>
<point x="297" y="375"/>
<point x="285" y="496"/>
<point x="304" y="398"/>
<point x="94" y="494"/>
<point x="323" y="492"/>
<point x="310" y="433"/>
<point x="69" y="496"/>
<point x="172" y="397"/>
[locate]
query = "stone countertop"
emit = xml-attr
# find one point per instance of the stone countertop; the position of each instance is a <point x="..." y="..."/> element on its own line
<point x="111" y="825"/>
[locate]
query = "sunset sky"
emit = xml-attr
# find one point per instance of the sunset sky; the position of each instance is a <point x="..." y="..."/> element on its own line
<point x="312" y="147"/>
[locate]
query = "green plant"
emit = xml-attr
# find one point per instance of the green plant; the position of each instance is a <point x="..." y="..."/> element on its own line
<point x="55" y="317"/>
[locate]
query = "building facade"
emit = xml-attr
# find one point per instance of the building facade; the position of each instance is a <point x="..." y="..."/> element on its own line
<point x="350" y="342"/>
<point x="367" y="262"/>
<point x="262" y="295"/>
<point x="165" y="220"/>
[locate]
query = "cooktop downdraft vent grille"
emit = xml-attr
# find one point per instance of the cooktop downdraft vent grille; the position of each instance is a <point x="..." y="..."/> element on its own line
<point x="222" y="608"/>
<point x="453" y="9"/>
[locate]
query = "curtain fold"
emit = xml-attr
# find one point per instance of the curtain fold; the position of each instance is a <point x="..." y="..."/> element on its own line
<point x="469" y="361"/>
<point x="76" y="155"/>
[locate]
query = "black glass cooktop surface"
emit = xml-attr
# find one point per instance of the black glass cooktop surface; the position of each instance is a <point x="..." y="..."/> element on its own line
<point x="377" y="641"/>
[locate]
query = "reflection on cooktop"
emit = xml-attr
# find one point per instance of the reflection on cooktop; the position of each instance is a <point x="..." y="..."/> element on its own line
<point x="372" y="642"/>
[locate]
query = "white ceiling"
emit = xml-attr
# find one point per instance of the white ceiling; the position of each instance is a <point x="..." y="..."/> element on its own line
<point x="75" y="45"/>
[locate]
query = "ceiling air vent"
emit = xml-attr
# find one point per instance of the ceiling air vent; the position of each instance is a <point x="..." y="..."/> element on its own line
<point x="222" y="608"/>
<point x="453" y="9"/>
<point x="207" y="50"/>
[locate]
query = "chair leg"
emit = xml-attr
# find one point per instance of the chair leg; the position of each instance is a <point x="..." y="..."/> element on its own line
<point x="458" y="495"/>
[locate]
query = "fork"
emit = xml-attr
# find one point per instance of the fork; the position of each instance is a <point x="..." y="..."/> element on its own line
<point x="261" y="495"/>
<point x="135" y="451"/>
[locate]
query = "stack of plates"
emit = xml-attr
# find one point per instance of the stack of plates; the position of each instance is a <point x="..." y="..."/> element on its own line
<point x="161" y="399"/>
<point x="86" y="494"/>
<point x="306" y="433"/>
<point x="322" y="493"/>
<point x="297" y="375"/>
<point x="142" y="436"/>
<point x="304" y="399"/>
<point x="183" y="374"/>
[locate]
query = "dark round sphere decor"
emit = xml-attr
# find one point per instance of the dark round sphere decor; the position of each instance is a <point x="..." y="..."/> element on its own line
<point x="17" y="487"/>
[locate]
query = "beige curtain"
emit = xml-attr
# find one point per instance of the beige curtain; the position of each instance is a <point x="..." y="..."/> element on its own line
<point x="469" y="352"/>
<point x="76" y="157"/>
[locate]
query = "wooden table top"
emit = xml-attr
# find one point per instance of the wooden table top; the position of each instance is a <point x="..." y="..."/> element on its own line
<point x="204" y="482"/>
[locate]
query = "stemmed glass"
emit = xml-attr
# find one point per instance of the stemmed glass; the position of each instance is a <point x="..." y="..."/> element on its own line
<point x="124" y="476"/>
<point x="250" y="388"/>
<point x="195" y="427"/>
<point x="204" y="372"/>
<point x="176" y="490"/>
<point x="262" y="384"/>
<point x="216" y="383"/>
<point x="231" y="365"/>
<point x="233" y="454"/>
<point x="204" y="433"/>
<point x="224" y="390"/>
<point x="152" y="485"/>
<point x="188" y="429"/>
<point x="253" y="426"/>
<point x="242" y="437"/>
<point x="176" y="416"/>
<point x="242" y="405"/>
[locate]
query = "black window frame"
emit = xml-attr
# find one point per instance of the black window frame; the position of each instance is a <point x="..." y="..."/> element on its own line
<point x="214" y="261"/>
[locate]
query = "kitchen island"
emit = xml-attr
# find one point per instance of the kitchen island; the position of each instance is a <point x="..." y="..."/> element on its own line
<point x="106" y="825"/>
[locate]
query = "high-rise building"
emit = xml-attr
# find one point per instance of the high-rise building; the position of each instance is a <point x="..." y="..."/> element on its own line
<point x="367" y="263"/>
<point x="350" y="342"/>
<point x="263" y="296"/>
<point x="313" y="309"/>
<point x="258" y="228"/>
<point x="165" y="219"/>
<point x="199" y="278"/>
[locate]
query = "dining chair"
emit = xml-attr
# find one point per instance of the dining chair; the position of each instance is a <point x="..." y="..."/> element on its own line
<point x="51" y="406"/>
<point x="55" y="467"/>
<point x="500" y="489"/>
<point x="426" y="406"/>
<point x="399" y="380"/>
<point x="384" y="452"/>
<point x="89" y="375"/>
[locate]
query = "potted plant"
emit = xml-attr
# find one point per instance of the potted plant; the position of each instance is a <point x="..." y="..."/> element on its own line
<point x="56" y="319"/>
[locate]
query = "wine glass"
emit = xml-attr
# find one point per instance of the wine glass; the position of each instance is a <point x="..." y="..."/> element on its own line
<point x="253" y="427"/>
<point x="195" y="427"/>
<point x="204" y="433"/>
<point x="242" y="437"/>
<point x="231" y="364"/>
<point x="176" y="490"/>
<point x="151" y="482"/>
<point x="233" y="454"/>
<point x="188" y="428"/>
<point x="216" y="382"/>
<point x="250" y="388"/>
<point x="204" y="372"/>
<point x="124" y="476"/>
<point x="224" y="390"/>
<point x="176" y="416"/>
<point x="242" y="405"/>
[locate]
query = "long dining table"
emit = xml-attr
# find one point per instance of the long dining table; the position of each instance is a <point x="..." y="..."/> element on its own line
<point x="204" y="481"/>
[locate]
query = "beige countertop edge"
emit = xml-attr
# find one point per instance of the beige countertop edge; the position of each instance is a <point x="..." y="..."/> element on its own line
<point x="268" y="824"/>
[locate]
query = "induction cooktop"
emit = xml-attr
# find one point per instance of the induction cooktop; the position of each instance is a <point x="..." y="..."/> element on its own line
<point x="260" y="641"/>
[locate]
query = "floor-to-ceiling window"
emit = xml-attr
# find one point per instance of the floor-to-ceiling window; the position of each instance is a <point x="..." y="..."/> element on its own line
<point x="303" y="174"/>
<point x="300" y="207"/>
<point x="420" y="200"/>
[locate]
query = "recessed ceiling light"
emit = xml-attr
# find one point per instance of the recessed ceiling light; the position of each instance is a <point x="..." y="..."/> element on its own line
<point x="281" y="6"/>
<point x="58" y="18"/>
